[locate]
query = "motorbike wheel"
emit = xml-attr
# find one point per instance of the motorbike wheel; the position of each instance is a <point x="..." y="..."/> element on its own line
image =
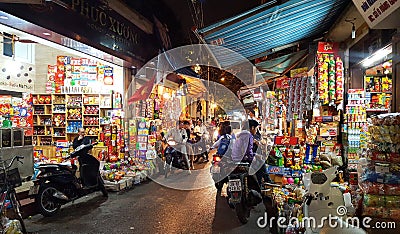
<point x="47" y="204"/>
<point x="242" y="212"/>
<point x="102" y="187"/>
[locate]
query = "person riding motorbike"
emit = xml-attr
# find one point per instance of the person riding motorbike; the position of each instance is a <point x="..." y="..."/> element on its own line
<point x="226" y="134"/>
<point x="179" y="135"/>
<point x="200" y="131"/>
<point x="245" y="148"/>
<point x="91" y="163"/>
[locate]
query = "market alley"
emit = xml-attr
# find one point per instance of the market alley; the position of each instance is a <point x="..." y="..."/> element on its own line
<point x="149" y="208"/>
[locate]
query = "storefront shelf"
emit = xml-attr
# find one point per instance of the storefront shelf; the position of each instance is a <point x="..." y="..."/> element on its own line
<point x="59" y="127"/>
<point x="43" y="135"/>
<point x="93" y="104"/>
<point x="377" y="110"/>
<point x="59" y="112"/>
<point x="106" y="107"/>
<point x="59" y="103"/>
<point x="74" y="107"/>
<point x="91" y="125"/>
<point x="37" y="104"/>
<point x="380" y="92"/>
<point x="74" y="119"/>
<point x="91" y="114"/>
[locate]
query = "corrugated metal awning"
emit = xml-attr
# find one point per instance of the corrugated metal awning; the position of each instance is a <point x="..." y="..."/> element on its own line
<point x="260" y="32"/>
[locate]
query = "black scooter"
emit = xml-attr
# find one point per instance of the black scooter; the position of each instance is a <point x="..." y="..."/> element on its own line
<point x="173" y="159"/>
<point x="244" y="192"/>
<point x="57" y="184"/>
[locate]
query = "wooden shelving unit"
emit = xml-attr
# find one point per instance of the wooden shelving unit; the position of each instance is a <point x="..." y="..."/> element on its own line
<point x="59" y="116"/>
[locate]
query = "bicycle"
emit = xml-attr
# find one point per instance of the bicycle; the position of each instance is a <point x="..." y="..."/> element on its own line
<point x="9" y="180"/>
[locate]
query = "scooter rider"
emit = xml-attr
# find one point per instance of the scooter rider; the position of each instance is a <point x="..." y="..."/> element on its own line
<point x="179" y="135"/>
<point x="201" y="130"/>
<point x="245" y="148"/>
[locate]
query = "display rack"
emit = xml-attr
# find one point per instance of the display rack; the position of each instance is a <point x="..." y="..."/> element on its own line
<point x="378" y="87"/>
<point x="355" y="125"/>
<point x="57" y="117"/>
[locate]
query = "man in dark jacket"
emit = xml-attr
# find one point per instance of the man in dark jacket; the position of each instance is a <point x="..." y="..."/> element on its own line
<point x="81" y="139"/>
<point x="88" y="164"/>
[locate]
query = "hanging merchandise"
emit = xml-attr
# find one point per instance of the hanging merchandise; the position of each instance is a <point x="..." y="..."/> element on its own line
<point x="330" y="74"/>
<point x="323" y="81"/>
<point x="339" y="79"/>
<point x="332" y="79"/>
<point x="270" y="113"/>
<point x="379" y="176"/>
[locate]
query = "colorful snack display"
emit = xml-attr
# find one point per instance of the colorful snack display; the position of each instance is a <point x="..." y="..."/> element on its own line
<point x="339" y="79"/>
<point x="332" y="79"/>
<point x="374" y="200"/>
<point x="373" y="212"/>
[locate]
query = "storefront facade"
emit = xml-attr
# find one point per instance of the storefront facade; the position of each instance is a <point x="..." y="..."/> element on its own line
<point x="58" y="52"/>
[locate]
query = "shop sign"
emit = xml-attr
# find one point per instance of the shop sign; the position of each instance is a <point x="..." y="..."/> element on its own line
<point x="375" y="11"/>
<point x="328" y="47"/>
<point x="282" y="83"/>
<point x="283" y="140"/>
<point x="299" y="72"/>
<point x="91" y="22"/>
<point x="275" y="170"/>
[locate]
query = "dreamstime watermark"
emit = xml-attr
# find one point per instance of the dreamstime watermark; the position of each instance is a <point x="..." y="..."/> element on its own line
<point x="333" y="221"/>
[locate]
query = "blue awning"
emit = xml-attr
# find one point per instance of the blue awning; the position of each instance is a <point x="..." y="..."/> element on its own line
<point x="258" y="32"/>
<point x="279" y="66"/>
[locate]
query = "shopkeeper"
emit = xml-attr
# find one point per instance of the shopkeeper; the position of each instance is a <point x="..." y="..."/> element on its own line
<point x="81" y="139"/>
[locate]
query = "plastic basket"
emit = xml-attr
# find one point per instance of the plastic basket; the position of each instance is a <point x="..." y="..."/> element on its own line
<point x="13" y="178"/>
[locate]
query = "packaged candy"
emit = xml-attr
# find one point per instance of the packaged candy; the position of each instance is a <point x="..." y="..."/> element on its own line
<point x="394" y="214"/>
<point x="373" y="188"/>
<point x="393" y="158"/>
<point x="392" y="201"/>
<point x="392" y="178"/>
<point x="391" y="189"/>
<point x="373" y="212"/>
<point x="374" y="200"/>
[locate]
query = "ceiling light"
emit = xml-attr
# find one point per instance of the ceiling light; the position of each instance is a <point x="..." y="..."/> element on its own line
<point x="353" y="32"/>
<point x="353" y="27"/>
<point x="4" y="17"/>
<point x="377" y="56"/>
<point x="223" y="78"/>
<point x="46" y="34"/>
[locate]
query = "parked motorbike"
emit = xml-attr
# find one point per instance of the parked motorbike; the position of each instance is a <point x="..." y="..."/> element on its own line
<point x="173" y="159"/>
<point x="56" y="184"/>
<point x="243" y="191"/>
<point x="198" y="150"/>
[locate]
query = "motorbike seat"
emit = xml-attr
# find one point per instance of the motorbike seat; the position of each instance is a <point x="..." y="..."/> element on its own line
<point x="73" y="168"/>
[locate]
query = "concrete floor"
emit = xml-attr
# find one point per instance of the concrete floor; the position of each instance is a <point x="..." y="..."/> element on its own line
<point x="152" y="208"/>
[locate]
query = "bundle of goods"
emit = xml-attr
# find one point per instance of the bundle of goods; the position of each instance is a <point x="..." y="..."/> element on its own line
<point x="380" y="177"/>
<point x="330" y="78"/>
